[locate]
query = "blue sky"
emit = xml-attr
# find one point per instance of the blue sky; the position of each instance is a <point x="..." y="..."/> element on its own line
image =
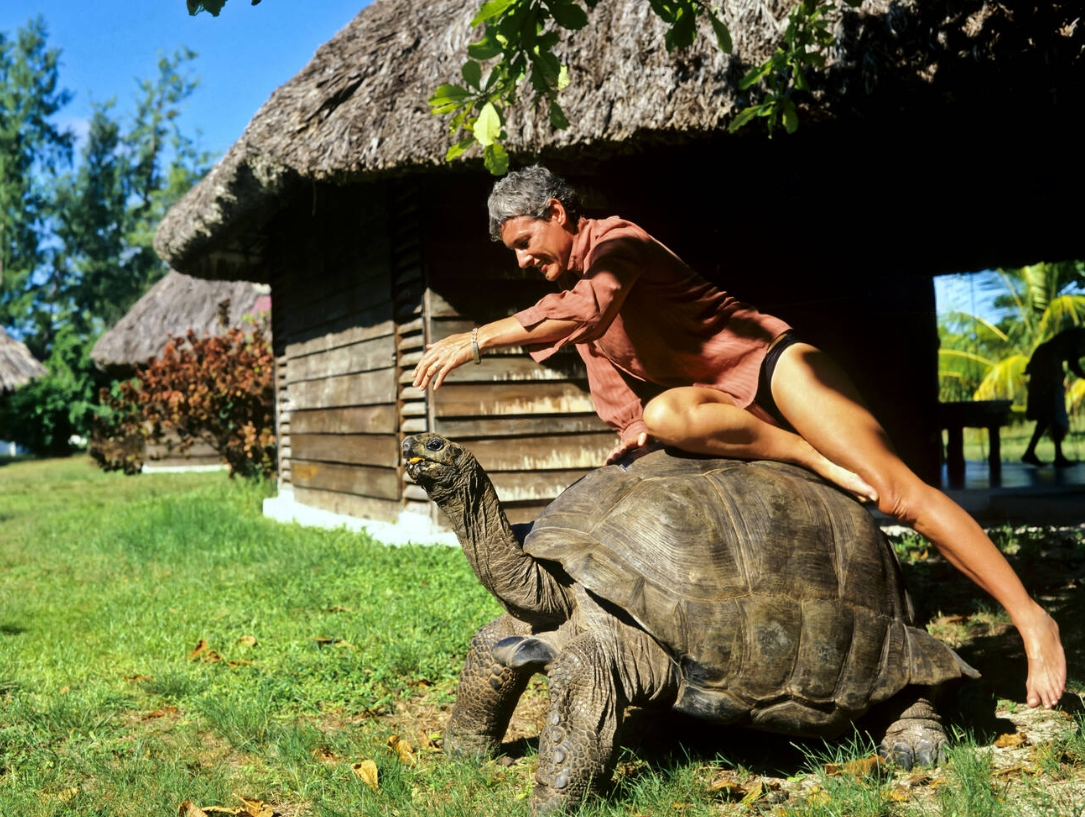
<point x="244" y="54"/>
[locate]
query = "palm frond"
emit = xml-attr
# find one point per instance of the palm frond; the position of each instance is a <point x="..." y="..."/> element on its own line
<point x="1005" y="380"/>
<point x="1062" y="312"/>
<point x="1075" y="396"/>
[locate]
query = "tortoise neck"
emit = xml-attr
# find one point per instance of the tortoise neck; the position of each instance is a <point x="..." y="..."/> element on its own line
<point x="515" y="579"/>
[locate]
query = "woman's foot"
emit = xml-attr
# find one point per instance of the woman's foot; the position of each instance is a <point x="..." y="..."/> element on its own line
<point x="1046" y="661"/>
<point x="1031" y="458"/>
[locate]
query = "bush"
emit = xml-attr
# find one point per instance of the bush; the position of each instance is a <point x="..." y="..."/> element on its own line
<point x="218" y="390"/>
<point x="49" y="411"/>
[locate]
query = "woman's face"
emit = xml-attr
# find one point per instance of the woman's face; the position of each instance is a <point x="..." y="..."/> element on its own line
<point x="544" y="244"/>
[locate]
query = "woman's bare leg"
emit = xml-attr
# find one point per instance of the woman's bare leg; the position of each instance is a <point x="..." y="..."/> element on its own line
<point x="823" y="405"/>
<point x="705" y="421"/>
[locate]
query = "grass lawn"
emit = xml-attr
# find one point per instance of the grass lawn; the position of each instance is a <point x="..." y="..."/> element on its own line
<point x="165" y="650"/>
<point x="1014" y="439"/>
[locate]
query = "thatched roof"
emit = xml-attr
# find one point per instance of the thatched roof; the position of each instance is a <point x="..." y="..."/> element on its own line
<point x="174" y="305"/>
<point x="17" y="365"/>
<point x="358" y="110"/>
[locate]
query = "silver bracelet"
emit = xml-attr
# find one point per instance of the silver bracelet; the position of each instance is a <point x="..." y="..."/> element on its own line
<point x="474" y="346"/>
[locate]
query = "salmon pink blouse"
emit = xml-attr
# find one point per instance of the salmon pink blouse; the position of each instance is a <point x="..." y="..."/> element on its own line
<point x="646" y="318"/>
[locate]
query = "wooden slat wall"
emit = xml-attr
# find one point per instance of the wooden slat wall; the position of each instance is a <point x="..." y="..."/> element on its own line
<point x="338" y="377"/>
<point x="409" y="288"/>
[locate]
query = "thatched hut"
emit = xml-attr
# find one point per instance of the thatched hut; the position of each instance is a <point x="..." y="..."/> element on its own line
<point x="17" y="365"/>
<point x="941" y="137"/>
<point x="171" y="308"/>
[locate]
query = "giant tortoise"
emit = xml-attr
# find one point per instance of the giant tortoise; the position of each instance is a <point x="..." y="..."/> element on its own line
<point x="744" y="593"/>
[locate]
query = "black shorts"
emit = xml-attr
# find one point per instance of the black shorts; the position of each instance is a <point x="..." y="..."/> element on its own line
<point x="763" y="398"/>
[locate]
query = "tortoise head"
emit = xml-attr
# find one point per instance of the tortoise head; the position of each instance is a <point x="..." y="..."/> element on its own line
<point x="434" y="462"/>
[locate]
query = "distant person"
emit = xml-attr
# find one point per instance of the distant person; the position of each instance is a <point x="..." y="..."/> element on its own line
<point x="1047" y="392"/>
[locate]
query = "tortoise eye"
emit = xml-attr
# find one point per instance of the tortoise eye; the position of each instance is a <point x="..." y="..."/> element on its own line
<point x="434" y="444"/>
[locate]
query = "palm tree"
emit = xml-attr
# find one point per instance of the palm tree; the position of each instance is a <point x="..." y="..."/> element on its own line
<point x="981" y="360"/>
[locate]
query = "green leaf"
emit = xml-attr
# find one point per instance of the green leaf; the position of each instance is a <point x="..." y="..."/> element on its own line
<point x="790" y="115"/>
<point x="557" y="116"/>
<point x="491" y="9"/>
<point x="448" y="98"/>
<point x="563" y="77"/>
<point x="472" y="74"/>
<point x="487" y="128"/>
<point x="744" y="116"/>
<point x="755" y="75"/>
<point x="799" y="78"/>
<point x="723" y="35"/>
<point x="568" y="14"/>
<point x="458" y="149"/>
<point x="683" y="31"/>
<point x="485" y="49"/>
<point x="212" y="6"/>
<point x="496" y="159"/>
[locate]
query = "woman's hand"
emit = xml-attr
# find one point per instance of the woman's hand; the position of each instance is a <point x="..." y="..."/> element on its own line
<point x="626" y="447"/>
<point x="442" y="357"/>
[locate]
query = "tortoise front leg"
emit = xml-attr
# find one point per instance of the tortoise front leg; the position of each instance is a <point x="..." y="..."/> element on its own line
<point x="595" y="678"/>
<point x="487" y="693"/>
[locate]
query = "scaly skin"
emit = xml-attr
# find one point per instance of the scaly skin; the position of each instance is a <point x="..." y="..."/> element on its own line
<point x="487" y="693"/>
<point x="600" y="672"/>
<point x="917" y="736"/>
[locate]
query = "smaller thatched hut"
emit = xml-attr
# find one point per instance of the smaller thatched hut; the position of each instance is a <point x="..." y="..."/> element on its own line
<point x="174" y="305"/>
<point x="17" y="365"/>
<point x="170" y="309"/>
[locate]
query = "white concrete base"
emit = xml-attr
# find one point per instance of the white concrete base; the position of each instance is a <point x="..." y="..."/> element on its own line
<point x="180" y="469"/>
<point x="411" y="528"/>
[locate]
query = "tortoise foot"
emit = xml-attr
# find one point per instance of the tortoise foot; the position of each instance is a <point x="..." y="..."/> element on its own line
<point x="917" y="738"/>
<point x="547" y="800"/>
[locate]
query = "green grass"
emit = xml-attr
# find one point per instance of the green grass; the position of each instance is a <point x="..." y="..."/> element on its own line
<point x="1014" y="440"/>
<point x="161" y="643"/>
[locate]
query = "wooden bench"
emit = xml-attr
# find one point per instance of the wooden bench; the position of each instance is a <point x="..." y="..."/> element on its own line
<point x="955" y="417"/>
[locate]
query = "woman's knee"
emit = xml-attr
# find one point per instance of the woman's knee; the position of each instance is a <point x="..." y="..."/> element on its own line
<point x="902" y="499"/>
<point x="666" y="415"/>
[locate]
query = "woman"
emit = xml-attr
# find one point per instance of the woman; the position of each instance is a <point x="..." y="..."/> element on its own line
<point x="674" y="360"/>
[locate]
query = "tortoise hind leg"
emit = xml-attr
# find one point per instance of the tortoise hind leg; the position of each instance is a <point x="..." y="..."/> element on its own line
<point x="916" y="735"/>
<point x="487" y="692"/>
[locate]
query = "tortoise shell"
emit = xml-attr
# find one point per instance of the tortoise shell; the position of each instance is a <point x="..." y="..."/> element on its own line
<point x="780" y="600"/>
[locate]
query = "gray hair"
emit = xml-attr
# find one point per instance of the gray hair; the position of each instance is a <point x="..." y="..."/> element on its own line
<point x="528" y="192"/>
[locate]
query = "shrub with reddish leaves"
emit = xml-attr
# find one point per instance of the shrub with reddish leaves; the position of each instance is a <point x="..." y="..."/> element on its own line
<point x="218" y="390"/>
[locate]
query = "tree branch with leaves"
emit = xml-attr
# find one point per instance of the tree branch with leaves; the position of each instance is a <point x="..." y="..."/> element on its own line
<point x="517" y="48"/>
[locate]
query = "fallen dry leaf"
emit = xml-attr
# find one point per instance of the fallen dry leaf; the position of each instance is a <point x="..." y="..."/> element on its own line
<point x="161" y="712"/>
<point x="201" y="647"/>
<point x="367" y="772"/>
<point x="897" y="795"/>
<point x="247" y="640"/>
<point x="817" y="796"/>
<point x="753" y="793"/>
<point x="256" y="808"/>
<point x="726" y="784"/>
<point x="1011" y="741"/>
<point x="864" y="767"/>
<point x="190" y="809"/>
<point x="324" y="755"/>
<point x="137" y="679"/>
<point x="403" y="749"/>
